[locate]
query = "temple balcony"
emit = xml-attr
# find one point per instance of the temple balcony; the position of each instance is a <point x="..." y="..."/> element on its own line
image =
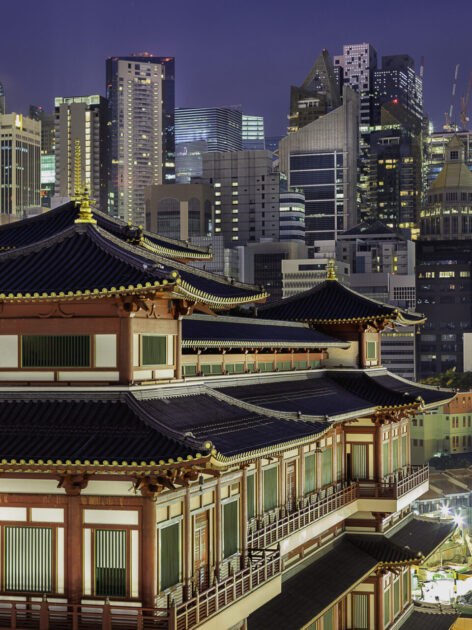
<point x="219" y="606"/>
<point x="395" y="492"/>
<point x="325" y="509"/>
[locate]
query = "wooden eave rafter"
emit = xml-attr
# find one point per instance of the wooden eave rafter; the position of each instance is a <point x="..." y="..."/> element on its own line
<point x="395" y="413"/>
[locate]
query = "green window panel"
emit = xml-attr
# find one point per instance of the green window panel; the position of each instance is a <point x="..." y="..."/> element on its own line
<point x="315" y="363"/>
<point x="387" y="607"/>
<point x="385" y="461"/>
<point x="251" y="366"/>
<point x="270" y="489"/>
<point x="239" y="368"/>
<point x="169" y="556"/>
<point x="396" y="597"/>
<point x="310" y="473"/>
<point x="55" y="351"/>
<point x="301" y="365"/>
<point x="328" y="618"/>
<point x="251" y="496"/>
<point x="404" y="450"/>
<point x="359" y="461"/>
<point x="327" y="467"/>
<point x="230" y="368"/>
<point x="266" y="366"/>
<point x="110" y="562"/>
<point x="154" y="350"/>
<point x="190" y="370"/>
<point x="208" y="369"/>
<point x="405" y="586"/>
<point x="28" y="559"/>
<point x="284" y="366"/>
<point x="395" y="454"/>
<point x="230" y="529"/>
<point x="339" y="462"/>
<point x="371" y="350"/>
<point x="360" y="606"/>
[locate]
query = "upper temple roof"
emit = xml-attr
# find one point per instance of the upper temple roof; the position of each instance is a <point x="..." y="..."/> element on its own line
<point x="333" y="303"/>
<point x="44" y="226"/>
<point x="80" y="259"/>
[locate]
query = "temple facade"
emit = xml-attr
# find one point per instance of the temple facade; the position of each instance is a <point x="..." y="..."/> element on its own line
<point x="164" y="465"/>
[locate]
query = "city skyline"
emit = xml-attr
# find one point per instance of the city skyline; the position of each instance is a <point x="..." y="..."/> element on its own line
<point x="240" y="50"/>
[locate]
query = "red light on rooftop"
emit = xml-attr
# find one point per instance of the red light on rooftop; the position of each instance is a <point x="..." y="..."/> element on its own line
<point x="395" y="100"/>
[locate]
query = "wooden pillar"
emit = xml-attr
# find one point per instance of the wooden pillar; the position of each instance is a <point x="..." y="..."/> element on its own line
<point x="178" y="350"/>
<point x="301" y="473"/>
<point x="149" y="553"/>
<point x="362" y="349"/>
<point x="74" y="550"/>
<point x="218" y="537"/>
<point x="126" y="351"/>
<point x="335" y="456"/>
<point x="188" y="546"/>
<point x="282" y="483"/>
<point x="379" y="602"/>
<point x="408" y="444"/>
<point x="260" y="490"/>
<point x="243" y="508"/>
<point x="378" y="453"/>
<point x="318" y="456"/>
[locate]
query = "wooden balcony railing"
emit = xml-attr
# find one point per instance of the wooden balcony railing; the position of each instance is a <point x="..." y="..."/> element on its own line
<point x="273" y="532"/>
<point x="397" y="485"/>
<point x="263" y="565"/>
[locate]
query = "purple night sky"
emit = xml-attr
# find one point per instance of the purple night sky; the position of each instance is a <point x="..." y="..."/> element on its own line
<point x="227" y="53"/>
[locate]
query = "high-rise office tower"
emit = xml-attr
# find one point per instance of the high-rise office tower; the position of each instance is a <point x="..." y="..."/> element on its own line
<point x="317" y="95"/>
<point x="82" y="121"/>
<point x="200" y="130"/>
<point x="140" y="92"/>
<point x="321" y="158"/>
<point x="246" y="195"/>
<point x="397" y="82"/>
<point x="253" y="133"/>
<point x="3" y="109"/>
<point x="20" y="164"/>
<point x="48" y="156"/>
<point x="359" y="61"/>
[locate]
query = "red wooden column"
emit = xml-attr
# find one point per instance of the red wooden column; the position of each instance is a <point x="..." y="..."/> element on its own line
<point x="218" y="533"/>
<point x="149" y="553"/>
<point x="362" y="349"/>
<point x="378" y="453"/>
<point x="188" y="547"/>
<point x="74" y="586"/>
<point x="125" y="356"/>
<point x="379" y="624"/>
<point x="243" y="508"/>
<point x="178" y="350"/>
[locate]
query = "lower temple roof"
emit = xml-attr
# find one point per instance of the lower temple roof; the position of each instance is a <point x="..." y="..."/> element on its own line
<point x="432" y="620"/>
<point x="316" y="587"/>
<point x="331" y="393"/>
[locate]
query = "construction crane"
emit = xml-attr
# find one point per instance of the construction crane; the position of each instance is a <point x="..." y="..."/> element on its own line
<point x="448" y="125"/>
<point x="422" y="68"/>
<point x="465" y="104"/>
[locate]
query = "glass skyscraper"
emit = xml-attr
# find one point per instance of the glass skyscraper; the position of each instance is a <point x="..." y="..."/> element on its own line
<point x="200" y="130"/>
<point x="253" y="133"/>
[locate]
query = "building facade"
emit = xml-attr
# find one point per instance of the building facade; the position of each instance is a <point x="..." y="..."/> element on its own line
<point x="20" y="165"/>
<point x="358" y="62"/>
<point x="140" y="93"/>
<point x="397" y="82"/>
<point x="48" y="153"/>
<point x="292" y="216"/>
<point x="304" y="273"/>
<point x="321" y="158"/>
<point x="246" y="196"/>
<point x="180" y="211"/>
<point x="200" y="130"/>
<point x="253" y="135"/>
<point x="81" y="125"/>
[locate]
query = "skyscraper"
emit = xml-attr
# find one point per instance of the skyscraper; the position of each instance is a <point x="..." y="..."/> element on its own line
<point x="253" y="133"/>
<point x="397" y="82"/>
<point x="200" y="130"/>
<point x="359" y="61"/>
<point x="3" y="109"/>
<point x="82" y="120"/>
<point x="48" y="156"/>
<point x="140" y="92"/>
<point x="321" y="158"/>
<point x="20" y="164"/>
<point x="317" y="95"/>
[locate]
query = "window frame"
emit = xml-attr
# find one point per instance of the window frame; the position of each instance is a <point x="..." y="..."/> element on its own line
<point x="225" y="503"/>
<point x="91" y="353"/>
<point x="127" y="531"/>
<point x="176" y="521"/>
<point x="166" y="353"/>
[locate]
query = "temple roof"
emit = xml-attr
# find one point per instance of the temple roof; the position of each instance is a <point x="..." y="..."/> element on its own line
<point x="119" y="428"/>
<point x="433" y="619"/>
<point x="89" y="260"/>
<point x="317" y="586"/>
<point x="333" y="393"/>
<point x="44" y="226"/>
<point x="333" y="303"/>
<point x="208" y="331"/>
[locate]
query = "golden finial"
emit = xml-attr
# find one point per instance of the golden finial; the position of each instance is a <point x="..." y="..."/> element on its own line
<point x="77" y="171"/>
<point x="330" y="270"/>
<point x="85" y="209"/>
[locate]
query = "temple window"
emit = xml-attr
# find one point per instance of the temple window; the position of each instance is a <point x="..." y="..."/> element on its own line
<point x="250" y="493"/>
<point x="387" y="606"/>
<point x="215" y="368"/>
<point x="371" y="350"/>
<point x="360" y="610"/>
<point x="55" y="350"/>
<point x="310" y="473"/>
<point x="169" y="556"/>
<point x="230" y="528"/>
<point x="327" y="467"/>
<point x="406" y="577"/>
<point x="300" y="365"/>
<point x="154" y="350"/>
<point x="359" y="461"/>
<point x="395" y="454"/>
<point x="396" y="597"/>
<point x="270" y="489"/>
<point x="404" y="450"/>
<point x="385" y="459"/>
<point x="28" y="559"/>
<point x="110" y="555"/>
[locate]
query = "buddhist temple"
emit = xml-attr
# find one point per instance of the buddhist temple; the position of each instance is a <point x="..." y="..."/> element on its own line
<point x="167" y="465"/>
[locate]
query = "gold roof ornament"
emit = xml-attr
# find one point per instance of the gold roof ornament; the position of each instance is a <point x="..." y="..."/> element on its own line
<point x="330" y="270"/>
<point x="85" y="209"/>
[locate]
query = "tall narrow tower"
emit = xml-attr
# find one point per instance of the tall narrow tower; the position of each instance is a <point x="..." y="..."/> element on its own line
<point x="140" y="91"/>
<point x="3" y="109"/>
